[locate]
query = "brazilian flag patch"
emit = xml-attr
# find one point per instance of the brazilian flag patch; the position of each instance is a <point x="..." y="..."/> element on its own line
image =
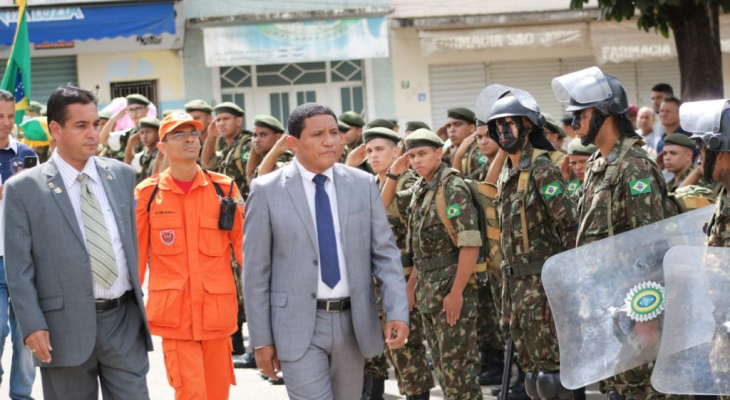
<point x="640" y="186"/>
<point x="573" y="186"/>
<point x="482" y="159"/>
<point x="244" y="156"/>
<point x="552" y="190"/>
<point x="453" y="211"/>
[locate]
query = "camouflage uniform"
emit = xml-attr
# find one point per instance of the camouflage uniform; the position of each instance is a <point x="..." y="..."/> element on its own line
<point x="409" y="362"/>
<point x="232" y="159"/>
<point x="147" y="161"/>
<point x="673" y="184"/>
<point x="123" y="140"/>
<point x="283" y="159"/>
<point x="551" y="217"/>
<point x="473" y="160"/>
<point x="718" y="229"/>
<point x="636" y="195"/>
<point x="454" y="349"/>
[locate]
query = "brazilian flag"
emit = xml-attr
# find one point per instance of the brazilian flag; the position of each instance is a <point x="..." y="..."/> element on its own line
<point x="17" y="74"/>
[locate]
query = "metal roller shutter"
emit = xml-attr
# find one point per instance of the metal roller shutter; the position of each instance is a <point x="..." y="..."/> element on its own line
<point x="534" y="76"/>
<point x="47" y="74"/>
<point x="454" y="86"/>
<point x="653" y="72"/>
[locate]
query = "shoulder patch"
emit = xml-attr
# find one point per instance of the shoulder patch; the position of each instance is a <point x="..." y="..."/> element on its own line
<point x="551" y="190"/>
<point x="640" y="186"/>
<point x="482" y="159"/>
<point x="573" y="186"/>
<point x="453" y="211"/>
<point x="245" y="155"/>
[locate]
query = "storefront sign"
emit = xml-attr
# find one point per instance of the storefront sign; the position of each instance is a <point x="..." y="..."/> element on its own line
<point x="619" y="42"/>
<point x="354" y="38"/>
<point x="503" y="38"/>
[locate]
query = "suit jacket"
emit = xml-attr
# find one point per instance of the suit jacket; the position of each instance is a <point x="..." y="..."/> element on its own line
<point x="46" y="262"/>
<point x="280" y="261"/>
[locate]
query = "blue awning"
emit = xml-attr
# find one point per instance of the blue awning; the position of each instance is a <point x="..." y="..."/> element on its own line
<point x="66" y="24"/>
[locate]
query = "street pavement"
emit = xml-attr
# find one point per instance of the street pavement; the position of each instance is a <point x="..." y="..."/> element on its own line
<point x="249" y="386"/>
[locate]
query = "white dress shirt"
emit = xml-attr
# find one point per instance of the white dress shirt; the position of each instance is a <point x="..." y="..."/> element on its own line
<point x="73" y="188"/>
<point x="342" y="289"/>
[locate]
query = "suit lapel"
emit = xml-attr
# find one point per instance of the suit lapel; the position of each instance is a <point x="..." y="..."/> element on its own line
<point x="107" y="177"/>
<point x="293" y="183"/>
<point x="342" y="186"/>
<point x="59" y="192"/>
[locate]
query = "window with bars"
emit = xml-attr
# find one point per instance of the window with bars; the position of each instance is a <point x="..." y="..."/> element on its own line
<point x="147" y="89"/>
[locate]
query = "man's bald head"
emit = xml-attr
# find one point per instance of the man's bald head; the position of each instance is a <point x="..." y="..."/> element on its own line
<point x="645" y="120"/>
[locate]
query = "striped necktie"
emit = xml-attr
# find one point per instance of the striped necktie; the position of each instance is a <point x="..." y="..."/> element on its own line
<point x="98" y="243"/>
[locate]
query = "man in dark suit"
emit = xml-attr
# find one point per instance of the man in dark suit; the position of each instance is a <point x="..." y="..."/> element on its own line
<point x="70" y="259"/>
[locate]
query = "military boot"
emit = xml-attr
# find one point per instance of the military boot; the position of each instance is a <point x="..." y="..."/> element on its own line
<point x="549" y="386"/>
<point x="422" y="396"/>
<point x="492" y="368"/>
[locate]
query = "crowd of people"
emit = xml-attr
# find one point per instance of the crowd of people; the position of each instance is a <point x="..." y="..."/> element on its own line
<point x="326" y="235"/>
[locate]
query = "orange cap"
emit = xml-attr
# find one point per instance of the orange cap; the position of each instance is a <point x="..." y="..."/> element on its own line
<point x="175" y="120"/>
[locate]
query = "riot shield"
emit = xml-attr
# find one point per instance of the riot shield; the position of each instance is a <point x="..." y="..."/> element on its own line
<point x="702" y="116"/>
<point x="695" y="353"/>
<point x="607" y="298"/>
<point x="585" y="86"/>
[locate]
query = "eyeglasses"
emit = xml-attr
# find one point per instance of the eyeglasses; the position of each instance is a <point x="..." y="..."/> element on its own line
<point x="135" y="109"/>
<point x="182" y="135"/>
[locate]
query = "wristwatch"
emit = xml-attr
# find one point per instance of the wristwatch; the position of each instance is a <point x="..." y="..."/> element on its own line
<point x="391" y="176"/>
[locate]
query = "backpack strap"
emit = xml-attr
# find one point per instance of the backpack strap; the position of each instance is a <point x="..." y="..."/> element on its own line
<point x="522" y="184"/>
<point x="612" y="177"/>
<point x="237" y="153"/>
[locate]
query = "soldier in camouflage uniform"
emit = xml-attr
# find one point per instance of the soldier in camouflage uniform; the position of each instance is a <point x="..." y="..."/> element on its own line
<point x="537" y="219"/>
<point x="268" y="131"/>
<point x="409" y="362"/>
<point x="574" y="166"/>
<point x="114" y="144"/>
<point x="623" y="188"/>
<point x="444" y="258"/>
<point x="353" y="136"/>
<point x="460" y="126"/>
<point x="143" y="160"/>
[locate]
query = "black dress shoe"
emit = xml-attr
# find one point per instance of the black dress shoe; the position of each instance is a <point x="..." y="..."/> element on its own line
<point x="279" y="380"/>
<point x="247" y="360"/>
<point x="489" y="378"/>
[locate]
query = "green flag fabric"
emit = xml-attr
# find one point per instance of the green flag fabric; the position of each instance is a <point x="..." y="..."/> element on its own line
<point x="17" y="74"/>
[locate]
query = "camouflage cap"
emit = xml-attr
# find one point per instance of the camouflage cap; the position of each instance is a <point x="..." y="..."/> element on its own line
<point x="352" y="118"/>
<point x="381" y="123"/>
<point x="552" y="124"/>
<point x="267" y="121"/>
<point x="35" y="106"/>
<point x="679" y="140"/>
<point x="149" y="122"/>
<point x="382" y="133"/>
<point x="198" y="105"/>
<point x="105" y="114"/>
<point x="423" y="137"/>
<point x="138" y="99"/>
<point x="230" y="108"/>
<point x="462" y="113"/>
<point x="575" y="148"/>
<point x="415" y="125"/>
<point x="343" y="127"/>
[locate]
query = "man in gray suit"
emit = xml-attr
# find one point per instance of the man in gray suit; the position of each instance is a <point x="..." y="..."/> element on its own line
<point x="70" y="259"/>
<point x="315" y="234"/>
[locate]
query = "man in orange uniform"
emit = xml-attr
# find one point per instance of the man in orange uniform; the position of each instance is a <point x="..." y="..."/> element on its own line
<point x="192" y="296"/>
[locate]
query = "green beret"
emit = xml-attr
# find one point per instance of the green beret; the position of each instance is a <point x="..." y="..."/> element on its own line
<point x="423" y="137"/>
<point x="679" y="140"/>
<point x="381" y="123"/>
<point x="552" y="124"/>
<point x="149" y="122"/>
<point x="379" y="132"/>
<point x="230" y="108"/>
<point x="137" y="99"/>
<point x="462" y="114"/>
<point x="576" y="148"/>
<point x="343" y="127"/>
<point x="267" y="121"/>
<point x="35" y="106"/>
<point x="416" y="125"/>
<point x="169" y="111"/>
<point x="105" y="114"/>
<point x="198" y="105"/>
<point x="352" y="118"/>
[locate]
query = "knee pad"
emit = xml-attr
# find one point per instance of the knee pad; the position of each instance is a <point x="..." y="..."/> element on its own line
<point x="549" y="386"/>
<point x="531" y="385"/>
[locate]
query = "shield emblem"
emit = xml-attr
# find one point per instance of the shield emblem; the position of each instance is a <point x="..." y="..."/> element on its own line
<point x="167" y="237"/>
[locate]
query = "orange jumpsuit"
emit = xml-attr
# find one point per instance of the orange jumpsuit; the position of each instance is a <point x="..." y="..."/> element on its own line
<point x="192" y="300"/>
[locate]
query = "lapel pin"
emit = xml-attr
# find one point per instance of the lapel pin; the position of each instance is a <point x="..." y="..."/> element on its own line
<point x="58" y="190"/>
<point x="51" y="185"/>
<point x="109" y="177"/>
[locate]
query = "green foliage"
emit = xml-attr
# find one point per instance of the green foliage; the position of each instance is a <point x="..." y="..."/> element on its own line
<point x="652" y="13"/>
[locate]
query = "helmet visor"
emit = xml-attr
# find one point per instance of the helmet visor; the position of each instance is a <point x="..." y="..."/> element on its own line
<point x="585" y="86"/>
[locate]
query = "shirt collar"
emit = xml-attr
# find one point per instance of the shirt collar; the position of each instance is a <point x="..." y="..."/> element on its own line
<point x="70" y="174"/>
<point x="12" y="144"/>
<point x="309" y="176"/>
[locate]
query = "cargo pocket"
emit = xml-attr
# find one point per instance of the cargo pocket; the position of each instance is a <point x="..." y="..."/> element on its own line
<point x="172" y="362"/>
<point x="165" y="303"/>
<point x="213" y="241"/>
<point x="220" y="305"/>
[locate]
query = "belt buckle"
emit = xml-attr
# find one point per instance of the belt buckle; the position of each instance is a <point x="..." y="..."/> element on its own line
<point x="327" y="308"/>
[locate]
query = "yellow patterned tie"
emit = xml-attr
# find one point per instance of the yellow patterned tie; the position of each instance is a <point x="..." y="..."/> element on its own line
<point x="98" y="243"/>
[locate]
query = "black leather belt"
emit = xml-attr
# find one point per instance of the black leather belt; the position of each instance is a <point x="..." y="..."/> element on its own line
<point x="106" y="305"/>
<point x="334" y="305"/>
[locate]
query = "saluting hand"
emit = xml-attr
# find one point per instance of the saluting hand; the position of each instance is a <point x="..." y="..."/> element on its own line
<point x="565" y="168"/>
<point x="400" y="165"/>
<point x="356" y="156"/>
<point x="39" y="343"/>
